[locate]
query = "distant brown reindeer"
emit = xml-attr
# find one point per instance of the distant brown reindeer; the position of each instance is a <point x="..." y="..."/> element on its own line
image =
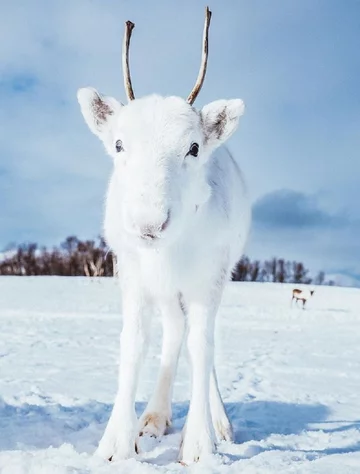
<point x="301" y="295"/>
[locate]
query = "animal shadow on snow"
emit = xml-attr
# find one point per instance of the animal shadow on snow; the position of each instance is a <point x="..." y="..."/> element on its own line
<point x="257" y="420"/>
<point x="39" y="426"/>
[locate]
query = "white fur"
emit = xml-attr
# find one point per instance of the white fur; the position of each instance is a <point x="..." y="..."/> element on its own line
<point x="183" y="271"/>
<point x="305" y="294"/>
<point x="302" y="295"/>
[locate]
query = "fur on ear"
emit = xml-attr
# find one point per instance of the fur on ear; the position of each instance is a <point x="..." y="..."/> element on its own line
<point x="97" y="109"/>
<point x="220" y="120"/>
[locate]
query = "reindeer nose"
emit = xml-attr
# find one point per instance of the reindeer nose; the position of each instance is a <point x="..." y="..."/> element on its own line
<point x="151" y="232"/>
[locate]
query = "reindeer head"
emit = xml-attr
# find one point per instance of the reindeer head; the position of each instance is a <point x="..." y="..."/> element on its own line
<point x="160" y="146"/>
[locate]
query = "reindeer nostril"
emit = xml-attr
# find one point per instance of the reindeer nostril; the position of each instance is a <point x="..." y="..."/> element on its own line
<point x="152" y="232"/>
<point x="165" y="223"/>
<point x="148" y="236"/>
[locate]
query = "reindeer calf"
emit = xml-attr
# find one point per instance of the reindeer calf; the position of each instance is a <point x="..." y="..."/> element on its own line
<point x="177" y="218"/>
<point x="301" y="295"/>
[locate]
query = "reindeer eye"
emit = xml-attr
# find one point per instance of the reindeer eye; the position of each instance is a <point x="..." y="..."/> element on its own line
<point x="119" y="146"/>
<point x="194" y="149"/>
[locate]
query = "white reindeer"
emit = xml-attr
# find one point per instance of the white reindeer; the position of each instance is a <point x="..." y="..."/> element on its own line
<point x="177" y="218"/>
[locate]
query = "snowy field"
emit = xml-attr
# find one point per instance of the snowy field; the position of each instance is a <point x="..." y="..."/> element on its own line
<point x="290" y="379"/>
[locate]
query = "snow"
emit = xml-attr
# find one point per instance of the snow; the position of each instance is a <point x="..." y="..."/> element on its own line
<point x="290" y="380"/>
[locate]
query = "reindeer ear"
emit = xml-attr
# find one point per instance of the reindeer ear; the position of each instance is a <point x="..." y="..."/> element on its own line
<point x="97" y="109"/>
<point x="220" y="120"/>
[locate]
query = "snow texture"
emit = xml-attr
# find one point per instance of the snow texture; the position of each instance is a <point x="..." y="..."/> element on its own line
<point x="290" y="380"/>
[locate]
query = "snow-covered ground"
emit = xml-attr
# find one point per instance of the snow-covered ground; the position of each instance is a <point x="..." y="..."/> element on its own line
<point x="290" y="380"/>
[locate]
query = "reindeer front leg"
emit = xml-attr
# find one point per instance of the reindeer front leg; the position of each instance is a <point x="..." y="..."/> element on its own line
<point x="198" y="434"/>
<point x="119" y="439"/>
<point x="157" y="415"/>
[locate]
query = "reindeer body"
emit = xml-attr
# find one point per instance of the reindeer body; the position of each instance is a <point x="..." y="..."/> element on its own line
<point x="177" y="218"/>
<point x="301" y="295"/>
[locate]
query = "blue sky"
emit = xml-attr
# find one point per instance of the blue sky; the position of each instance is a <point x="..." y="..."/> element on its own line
<point x="294" y="63"/>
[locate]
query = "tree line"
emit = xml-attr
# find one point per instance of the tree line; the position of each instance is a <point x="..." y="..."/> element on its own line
<point x="75" y="257"/>
<point x="277" y="270"/>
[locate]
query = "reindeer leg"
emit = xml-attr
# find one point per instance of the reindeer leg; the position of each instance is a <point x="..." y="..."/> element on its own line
<point x="157" y="415"/>
<point x="221" y="422"/>
<point x="120" y="437"/>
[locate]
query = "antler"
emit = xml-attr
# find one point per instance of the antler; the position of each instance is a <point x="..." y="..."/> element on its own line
<point x="129" y="26"/>
<point x="201" y="76"/>
<point x="125" y="60"/>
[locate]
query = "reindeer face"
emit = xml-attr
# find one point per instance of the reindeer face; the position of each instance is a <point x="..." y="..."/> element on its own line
<point x="160" y="147"/>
